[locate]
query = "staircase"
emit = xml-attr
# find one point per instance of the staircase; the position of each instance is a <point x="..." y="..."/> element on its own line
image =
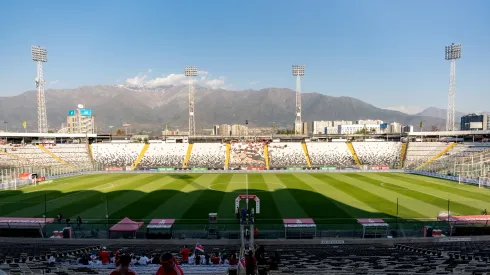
<point x="307" y="156"/>
<point x="90" y="153"/>
<point x="227" y="157"/>
<point x="58" y="159"/>
<point x="140" y="156"/>
<point x="188" y="155"/>
<point x="353" y="152"/>
<point x="266" y="156"/>
<point x="403" y="155"/>
<point x="447" y="149"/>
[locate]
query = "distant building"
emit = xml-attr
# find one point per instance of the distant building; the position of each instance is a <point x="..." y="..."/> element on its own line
<point x="319" y="126"/>
<point x="331" y="130"/>
<point x="305" y="128"/>
<point x="216" y="130"/>
<point x="224" y="130"/>
<point x="475" y="122"/>
<point x="239" y="130"/>
<point x="80" y="120"/>
<point x="369" y="121"/>
<point x="407" y="129"/>
<point x="298" y="128"/>
<point x="354" y="128"/>
<point x="394" y="128"/>
<point x="168" y="132"/>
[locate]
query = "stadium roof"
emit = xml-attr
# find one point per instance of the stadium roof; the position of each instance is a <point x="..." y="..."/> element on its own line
<point x="44" y="135"/>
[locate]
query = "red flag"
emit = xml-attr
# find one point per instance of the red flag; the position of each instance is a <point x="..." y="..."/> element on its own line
<point x="199" y="247"/>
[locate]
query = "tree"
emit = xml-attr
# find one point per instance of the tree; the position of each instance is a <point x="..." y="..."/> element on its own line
<point x="119" y="132"/>
<point x="146" y="140"/>
<point x="140" y="140"/>
<point x="50" y="131"/>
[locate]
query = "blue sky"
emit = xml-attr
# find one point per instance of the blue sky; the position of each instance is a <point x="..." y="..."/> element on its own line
<point x="388" y="53"/>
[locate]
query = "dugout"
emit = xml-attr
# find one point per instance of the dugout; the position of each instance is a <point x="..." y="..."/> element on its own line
<point x="466" y="225"/>
<point x="125" y="228"/>
<point x="23" y="227"/>
<point x="299" y="228"/>
<point x="374" y="228"/>
<point x="160" y="229"/>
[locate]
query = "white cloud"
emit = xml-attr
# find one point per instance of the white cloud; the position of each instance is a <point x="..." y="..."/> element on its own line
<point x="204" y="79"/>
<point x="54" y="82"/>
<point x="254" y="82"/>
<point x="149" y="70"/>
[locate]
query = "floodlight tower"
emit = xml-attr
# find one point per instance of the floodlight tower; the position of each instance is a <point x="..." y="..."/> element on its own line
<point x="453" y="52"/>
<point x="298" y="71"/>
<point x="40" y="55"/>
<point x="191" y="72"/>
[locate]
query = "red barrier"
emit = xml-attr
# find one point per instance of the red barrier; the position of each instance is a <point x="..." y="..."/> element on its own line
<point x="255" y="168"/>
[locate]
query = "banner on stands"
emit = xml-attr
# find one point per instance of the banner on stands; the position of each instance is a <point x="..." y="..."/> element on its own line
<point x="380" y="167"/>
<point x="295" y="168"/>
<point x="255" y="168"/>
<point x="199" y="169"/>
<point x="329" y="168"/>
<point x="113" y="169"/>
<point x="165" y="169"/>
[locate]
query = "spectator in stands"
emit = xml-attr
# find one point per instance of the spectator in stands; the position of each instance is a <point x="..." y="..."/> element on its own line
<point x="275" y="261"/>
<point x="104" y="256"/>
<point x="59" y="217"/>
<point x="123" y="268"/>
<point x="68" y="222"/>
<point x="256" y="232"/>
<point x="51" y="260"/>
<point x="233" y="268"/>
<point x="79" y="221"/>
<point x="262" y="267"/>
<point x="168" y="266"/>
<point x="143" y="260"/>
<point x="215" y="259"/>
<point x="83" y="260"/>
<point x="184" y="254"/>
<point x="250" y="263"/>
<point x="155" y="260"/>
<point x="197" y="258"/>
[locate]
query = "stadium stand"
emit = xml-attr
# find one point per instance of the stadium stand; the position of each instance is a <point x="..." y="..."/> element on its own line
<point x="329" y="153"/>
<point x="28" y="154"/>
<point x="283" y="154"/>
<point x="117" y="155"/>
<point x="420" y="152"/>
<point x="74" y="154"/>
<point x="208" y="155"/>
<point x="247" y="154"/>
<point x="378" y="153"/>
<point x="164" y="155"/>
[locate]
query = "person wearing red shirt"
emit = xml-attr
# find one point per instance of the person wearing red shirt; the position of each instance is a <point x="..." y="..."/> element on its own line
<point x="250" y="263"/>
<point x="184" y="254"/>
<point x="123" y="268"/>
<point x="104" y="256"/>
<point x="169" y="266"/>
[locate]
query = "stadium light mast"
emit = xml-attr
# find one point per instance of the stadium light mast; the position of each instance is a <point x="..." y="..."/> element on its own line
<point x="40" y="55"/>
<point x="298" y="71"/>
<point x="191" y="72"/>
<point x="452" y="53"/>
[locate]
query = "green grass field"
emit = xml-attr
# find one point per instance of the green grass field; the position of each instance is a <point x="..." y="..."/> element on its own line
<point x="328" y="198"/>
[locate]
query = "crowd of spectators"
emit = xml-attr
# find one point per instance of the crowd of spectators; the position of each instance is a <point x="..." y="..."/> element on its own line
<point x="247" y="154"/>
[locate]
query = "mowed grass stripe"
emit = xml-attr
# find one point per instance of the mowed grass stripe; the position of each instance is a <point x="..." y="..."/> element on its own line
<point x="458" y="204"/>
<point x="140" y="208"/>
<point x="482" y="196"/>
<point x="440" y="203"/>
<point x="59" y="190"/>
<point x="352" y="207"/>
<point x="269" y="211"/>
<point x="54" y="185"/>
<point x="385" y="207"/>
<point x="94" y="197"/>
<point x="312" y="202"/>
<point x="443" y="182"/>
<point x="232" y="189"/>
<point x="118" y="199"/>
<point x="37" y="210"/>
<point x="423" y="210"/>
<point x="209" y="200"/>
<point x="177" y="205"/>
<point x="285" y="202"/>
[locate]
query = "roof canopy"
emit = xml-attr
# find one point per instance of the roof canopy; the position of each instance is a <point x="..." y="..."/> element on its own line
<point x="24" y="222"/>
<point x="299" y="223"/>
<point x="373" y="222"/>
<point x="161" y="223"/>
<point x="126" y="225"/>
<point x="464" y="219"/>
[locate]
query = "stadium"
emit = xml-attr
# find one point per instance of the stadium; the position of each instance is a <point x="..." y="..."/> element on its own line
<point x="373" y="197"/>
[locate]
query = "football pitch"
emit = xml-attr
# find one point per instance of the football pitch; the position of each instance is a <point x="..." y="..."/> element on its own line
<point x="328" y="198"/>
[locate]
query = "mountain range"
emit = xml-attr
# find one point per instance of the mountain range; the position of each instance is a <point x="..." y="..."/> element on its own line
<point x="152" y="108"/>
